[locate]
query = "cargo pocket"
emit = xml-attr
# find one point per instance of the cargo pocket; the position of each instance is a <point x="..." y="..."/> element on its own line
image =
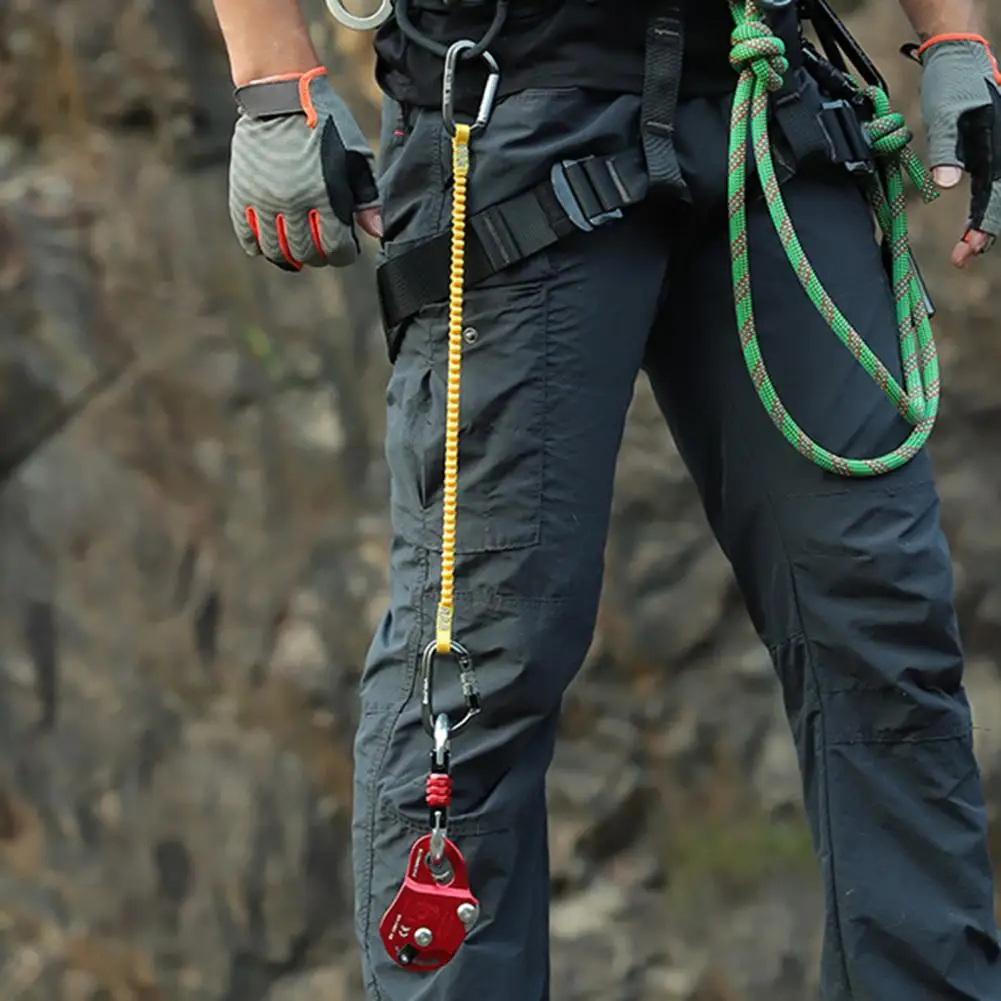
<point x="502" y="422"/>
<point x="413" y="174"/>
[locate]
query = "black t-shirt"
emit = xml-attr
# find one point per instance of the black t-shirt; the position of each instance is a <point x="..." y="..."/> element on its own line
<point x="596" y="44"/>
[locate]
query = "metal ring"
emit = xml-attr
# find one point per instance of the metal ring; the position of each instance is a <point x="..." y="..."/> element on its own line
<point x="359" y="22"/>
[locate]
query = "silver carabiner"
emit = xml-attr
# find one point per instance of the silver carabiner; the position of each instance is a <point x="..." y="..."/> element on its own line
<point x="448" y="88"/>
<point x="360" y="22"/>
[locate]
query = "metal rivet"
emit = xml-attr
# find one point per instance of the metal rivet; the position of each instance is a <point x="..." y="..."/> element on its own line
<point x="470" y="335"/>
<point x="468" y="914"/>
<point x="423" y="937"/>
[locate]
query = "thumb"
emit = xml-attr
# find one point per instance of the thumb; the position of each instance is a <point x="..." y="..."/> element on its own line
<point x="370" y="220"/>
<point x="947" y="176"/>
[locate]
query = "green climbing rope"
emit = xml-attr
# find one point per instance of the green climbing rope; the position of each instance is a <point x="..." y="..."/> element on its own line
<point x="759" y="57"/>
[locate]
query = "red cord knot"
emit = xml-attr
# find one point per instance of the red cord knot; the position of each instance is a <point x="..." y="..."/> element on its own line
<point x="438" y="791"/>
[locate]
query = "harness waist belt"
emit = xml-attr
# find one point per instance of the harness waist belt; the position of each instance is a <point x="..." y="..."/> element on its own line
<point x="578" y="196"/>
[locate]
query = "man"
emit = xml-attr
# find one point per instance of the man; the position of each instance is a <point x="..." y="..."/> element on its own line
<point x="847" y="579"/>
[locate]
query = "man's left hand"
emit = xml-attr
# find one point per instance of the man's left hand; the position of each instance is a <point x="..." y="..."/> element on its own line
<point x="961" y="104"/>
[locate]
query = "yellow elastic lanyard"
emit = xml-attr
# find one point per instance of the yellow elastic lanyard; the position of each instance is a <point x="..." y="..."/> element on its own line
<point x="446" y="605"/>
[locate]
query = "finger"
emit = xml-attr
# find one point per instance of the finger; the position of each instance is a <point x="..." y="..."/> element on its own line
<point x="301" y="238"/>
<point x="361" y="177"/>
<point x="947" y="176"/>
<point x="980" y="148"/>
<point x="251" y="244"/>
<point x="972" y="245"/>
<point x="284" y="233"/>
<point x="978" y="241"/>
<point x="370" y="221"/>
<point x="338" y="244"/>
<point x="941" y="126"/>
<point x="244" y="220"/>
<point x="265" y="229"/>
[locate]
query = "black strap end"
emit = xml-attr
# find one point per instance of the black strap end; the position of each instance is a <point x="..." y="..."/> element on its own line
<point x="269" y="99"/>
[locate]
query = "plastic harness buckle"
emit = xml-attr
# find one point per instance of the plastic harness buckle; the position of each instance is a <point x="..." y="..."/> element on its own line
<point x="848" y="143"/>
<point x="582" y="189"/>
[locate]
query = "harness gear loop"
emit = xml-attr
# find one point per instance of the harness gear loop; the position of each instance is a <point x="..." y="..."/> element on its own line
<point x="760" y="59"/>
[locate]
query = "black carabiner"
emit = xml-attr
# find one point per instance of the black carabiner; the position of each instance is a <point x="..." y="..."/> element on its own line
<point x="467" y="681"/>
<point x="457" y="50"/>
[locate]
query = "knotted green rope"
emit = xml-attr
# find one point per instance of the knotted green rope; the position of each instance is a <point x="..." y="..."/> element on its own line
<point x="759" y="57"/>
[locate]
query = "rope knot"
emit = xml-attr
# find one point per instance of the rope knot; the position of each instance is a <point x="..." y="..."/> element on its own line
<point x="757" y="49"/>
<point x="890" y="139"/>
<point x="889" y="134"/>
<point x="887" y="131"/>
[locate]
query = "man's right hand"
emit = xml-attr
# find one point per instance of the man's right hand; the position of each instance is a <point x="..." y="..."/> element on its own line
<point x="300" y="173"/>
<point x="961" y="103"/>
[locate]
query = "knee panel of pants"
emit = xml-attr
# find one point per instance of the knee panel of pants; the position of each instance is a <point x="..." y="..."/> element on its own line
<point x="872" y="583"/>
<point x="497" y="820"/>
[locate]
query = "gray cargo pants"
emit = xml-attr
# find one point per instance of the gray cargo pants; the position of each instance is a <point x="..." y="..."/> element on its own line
<point x="847" y="581"/>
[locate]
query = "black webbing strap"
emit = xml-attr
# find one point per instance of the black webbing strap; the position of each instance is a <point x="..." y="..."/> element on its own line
<point x="269" y="98"/>
<point x="796" y="118"/>
<point x="661" y="80"/>
<point x="578" y="196"/>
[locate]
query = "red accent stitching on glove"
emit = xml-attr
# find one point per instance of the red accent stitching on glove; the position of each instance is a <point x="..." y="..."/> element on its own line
<point x="314" y="231"/>
<point x="307" y="102"/>
<point x="925" y="46"/>
<point x="251" y="217"/>
<point x="283" y="244"/>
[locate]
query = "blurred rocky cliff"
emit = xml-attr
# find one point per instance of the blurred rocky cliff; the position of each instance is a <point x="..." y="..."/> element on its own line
<point x="192" y="555"/>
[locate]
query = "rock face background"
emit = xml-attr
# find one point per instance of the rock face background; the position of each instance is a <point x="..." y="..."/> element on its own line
<point x="192" y="552"/>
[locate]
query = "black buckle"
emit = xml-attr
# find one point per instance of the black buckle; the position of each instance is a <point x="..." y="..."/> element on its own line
<point x="847" y="141"/>
<point x="589" y="191"/>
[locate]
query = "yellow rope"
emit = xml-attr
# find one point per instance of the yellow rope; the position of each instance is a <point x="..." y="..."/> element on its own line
<point x="460" y="172"/>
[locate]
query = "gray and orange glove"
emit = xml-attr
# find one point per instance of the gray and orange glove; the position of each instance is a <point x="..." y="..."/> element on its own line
<point x="961" y="105"/>
<point x="300" y="172"/>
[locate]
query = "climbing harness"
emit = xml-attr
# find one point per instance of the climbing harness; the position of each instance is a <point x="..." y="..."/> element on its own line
<point x="851" y="125"/>
<point x="759" y="56"/>
<point x="435" y="909"/>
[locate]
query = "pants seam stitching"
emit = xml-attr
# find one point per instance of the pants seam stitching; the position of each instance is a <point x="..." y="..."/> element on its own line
<point x="373" y="812"/>
<point x="822" y="772"/>
<point x="803" y="633"/>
